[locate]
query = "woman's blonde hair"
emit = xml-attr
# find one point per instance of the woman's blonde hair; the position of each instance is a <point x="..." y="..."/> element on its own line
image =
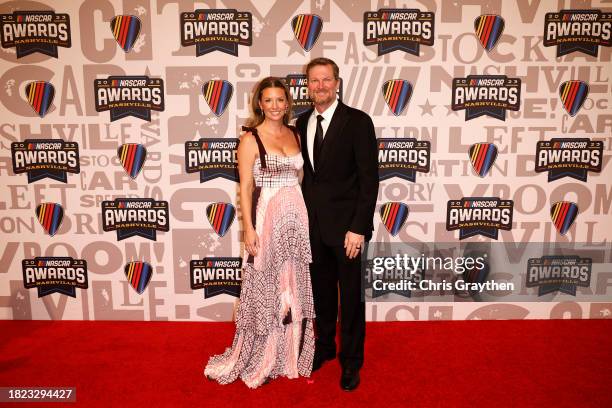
<point x="257" y="116"/>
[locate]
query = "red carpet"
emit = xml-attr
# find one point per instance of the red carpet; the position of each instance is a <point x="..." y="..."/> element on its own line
<point x="463" y="363"/>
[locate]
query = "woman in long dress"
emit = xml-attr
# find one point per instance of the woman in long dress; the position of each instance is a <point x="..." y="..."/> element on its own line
<point x="274" y="323"/>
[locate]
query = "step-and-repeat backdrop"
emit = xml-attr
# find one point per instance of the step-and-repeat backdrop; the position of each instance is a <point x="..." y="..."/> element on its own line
<point x="120" y="121"/>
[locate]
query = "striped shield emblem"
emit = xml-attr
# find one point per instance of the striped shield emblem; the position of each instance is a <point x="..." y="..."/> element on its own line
<point x="217" y="94"/>
<point x="125" y="30"/>
<point x="482" y="157"/>
<point x="489" y="28"/>
<point x="50" y="216"/>
<point x="473" y="274"/>
<point x="397" y="93"/>
<point x="563" y="215"/>
<point x="40" y="96"/>
<point x="393" y="215"/>
<point x="306" y="28"/>
<point x="139" y="275"/>
<point x="220" y="216"/>
<point x="573" y="94"/>
<point x="132" y="157"/>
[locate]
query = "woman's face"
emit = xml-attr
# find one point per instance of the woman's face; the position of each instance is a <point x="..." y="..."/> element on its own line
<point x="273" y="103"/>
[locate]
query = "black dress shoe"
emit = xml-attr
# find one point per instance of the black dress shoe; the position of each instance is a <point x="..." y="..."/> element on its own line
<point x="319" y="359"/>
<point x="350" y="379"/>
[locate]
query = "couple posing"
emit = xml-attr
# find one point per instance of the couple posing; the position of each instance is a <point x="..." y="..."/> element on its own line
<point x="302" y="242"/>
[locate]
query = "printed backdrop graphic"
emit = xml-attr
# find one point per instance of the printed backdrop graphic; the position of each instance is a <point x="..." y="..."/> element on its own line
<point x="535" y="85"/>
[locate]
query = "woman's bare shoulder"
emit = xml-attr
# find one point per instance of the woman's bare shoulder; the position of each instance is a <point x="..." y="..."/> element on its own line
<point x="248" y="146"/>
<point x="247" y="139"/>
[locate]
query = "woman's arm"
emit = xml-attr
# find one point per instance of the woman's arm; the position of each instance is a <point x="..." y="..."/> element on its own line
<point x="247" y="153"/>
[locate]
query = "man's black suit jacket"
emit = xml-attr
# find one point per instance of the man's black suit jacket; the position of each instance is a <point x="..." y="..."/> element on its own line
<point x="341" y="192"/>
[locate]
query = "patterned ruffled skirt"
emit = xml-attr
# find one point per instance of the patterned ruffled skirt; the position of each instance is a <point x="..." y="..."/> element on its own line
<point x="274" y="323"/>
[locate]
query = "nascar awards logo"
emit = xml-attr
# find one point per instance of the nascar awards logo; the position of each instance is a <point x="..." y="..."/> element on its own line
<point x="482" y="157"/>
<point x="132" y="157"/>
<point x="489" y="95"/>
<point x="40" y="96"/>
<point x="55" y="275"/>
<point x="489" y="28"/>
<point x="403" y="158"/>
<point x="220" y="216"/>
<point x="35" y="31"/>
<point x="217" y="94"/>
<point x="129" y="96"/>
<point x="126" y="29"/>
<point x="50" y="216"/>
<point x="306" y="29"/>
<point x="573" y="94"/>
<point x="216" y="30"/>
<point x="138" y="274"/>
<point x="559" y="274"/>
<point x="212" y="158"/>
<point x="393" y="216"/>
<point x="298" y="88"/>
<point x="563" y="214"/>
<point x="398" y="30"/>
<point x="45" y="158"/>
<point x="216" y="276"/>
<point x="568" y="157"/>
<point x="135" y="217"/>
<point x="577" y="31"/>
<point x="397" y="93"/>
<point x="479" y="216"/>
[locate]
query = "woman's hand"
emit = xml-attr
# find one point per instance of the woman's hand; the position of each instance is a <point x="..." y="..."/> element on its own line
<point x="251" y="241"/>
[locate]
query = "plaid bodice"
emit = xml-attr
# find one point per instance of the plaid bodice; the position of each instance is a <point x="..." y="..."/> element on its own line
<point x="273" y="170"/>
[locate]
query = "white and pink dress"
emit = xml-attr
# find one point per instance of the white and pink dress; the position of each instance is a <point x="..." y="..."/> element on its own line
<point x="274" y="323"/>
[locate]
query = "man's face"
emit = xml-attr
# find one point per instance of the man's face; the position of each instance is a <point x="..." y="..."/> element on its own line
<point x="322" y="85"/>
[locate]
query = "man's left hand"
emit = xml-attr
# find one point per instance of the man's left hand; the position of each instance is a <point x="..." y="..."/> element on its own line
<point x="353" y="244"/>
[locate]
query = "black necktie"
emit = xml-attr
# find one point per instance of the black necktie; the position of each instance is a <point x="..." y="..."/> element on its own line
<point x="318" y="142"/>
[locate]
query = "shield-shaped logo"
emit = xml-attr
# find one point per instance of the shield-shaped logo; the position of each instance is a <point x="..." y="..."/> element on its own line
<point x="397" y="93"/>
<point x="474" y="274"/>
<point x="217" y="94"/>
<point x="306" y="28"/>
<point x="40" y="96"/>
<point x="50" y="216"/>
<point x="489" y="28"/>
<point x="563" y="215"/>
<point x="393" y="216"/>
<point x="220" y="216"/>
<point x="139" y="275"/>
<point x="573" y="94"/>
<point x="482" y="157"/>
<point x="132" y="157"/>
<point x="125" y="29"/>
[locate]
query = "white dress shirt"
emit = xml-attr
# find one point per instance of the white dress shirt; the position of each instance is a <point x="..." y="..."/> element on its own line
<point x="312" y="126"/>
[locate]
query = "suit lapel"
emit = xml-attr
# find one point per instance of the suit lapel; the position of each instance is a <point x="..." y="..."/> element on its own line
<point x="302" y="123"/>
<point x="337" y="123"/>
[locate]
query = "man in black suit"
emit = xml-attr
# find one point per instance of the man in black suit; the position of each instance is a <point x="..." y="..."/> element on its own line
<point x="340" y="188"/>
